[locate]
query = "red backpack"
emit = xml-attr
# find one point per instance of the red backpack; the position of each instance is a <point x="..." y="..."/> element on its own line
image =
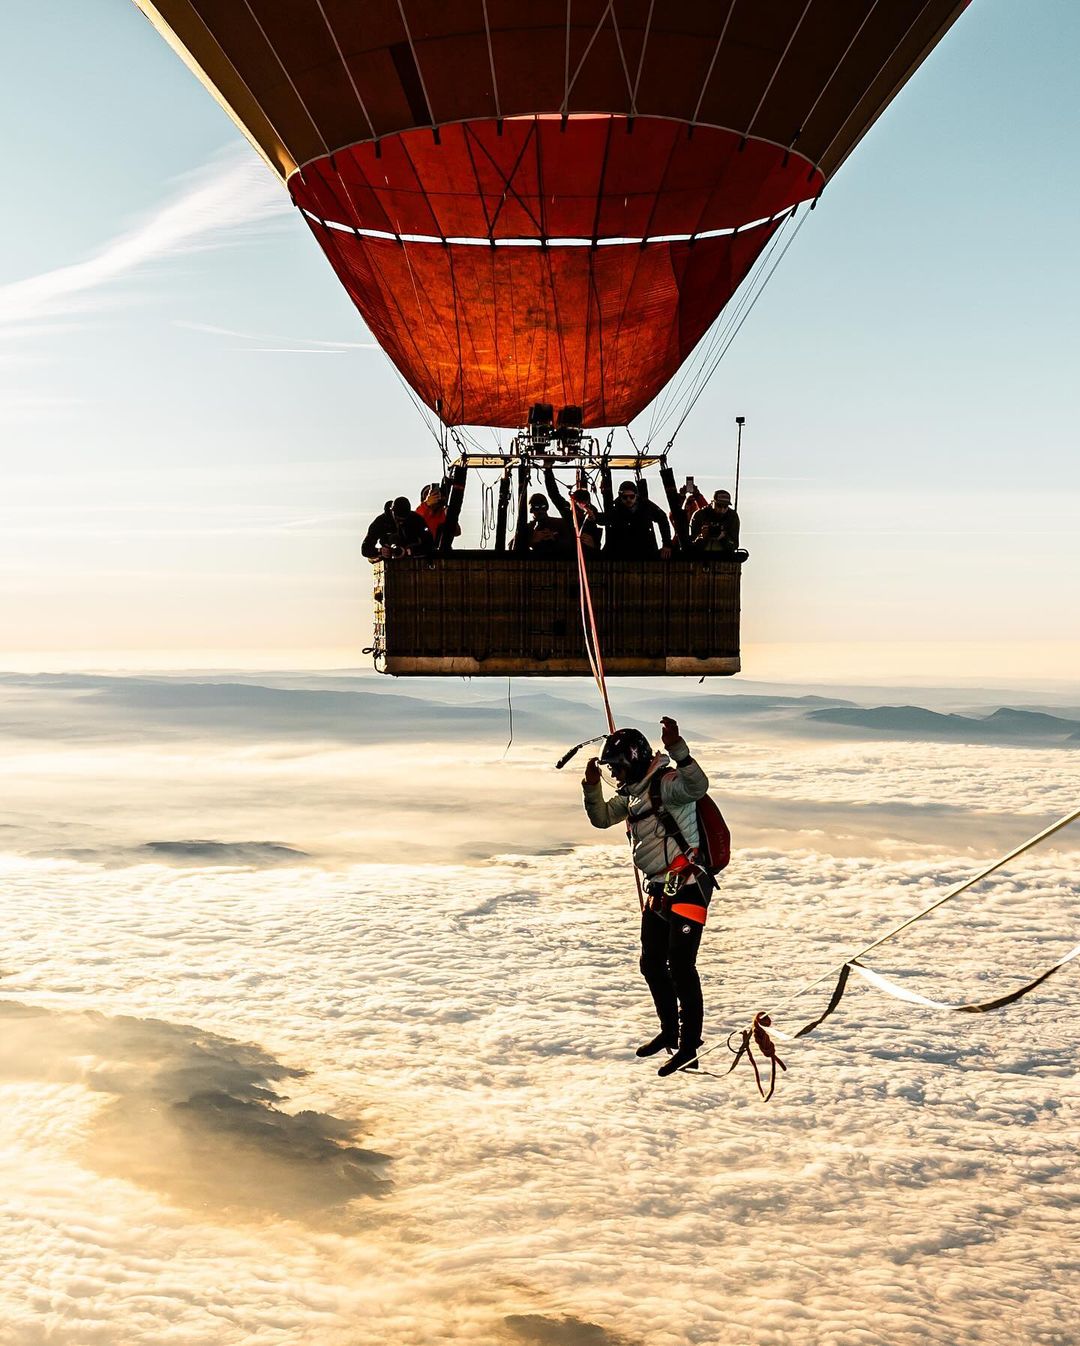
<point x="714" y="835"/>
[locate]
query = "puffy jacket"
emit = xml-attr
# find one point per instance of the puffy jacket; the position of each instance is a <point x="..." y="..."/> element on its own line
<point x="433" y="515"/>
<point x="680" y="789"/>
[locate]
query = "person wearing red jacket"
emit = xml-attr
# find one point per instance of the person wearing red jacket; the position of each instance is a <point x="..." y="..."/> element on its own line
<point x="432" y="509"/>
<point x="691" y="500"/>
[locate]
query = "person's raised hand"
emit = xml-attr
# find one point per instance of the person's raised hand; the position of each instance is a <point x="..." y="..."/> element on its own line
<point x="592" y="772"/>
<point x="669" y="731"/>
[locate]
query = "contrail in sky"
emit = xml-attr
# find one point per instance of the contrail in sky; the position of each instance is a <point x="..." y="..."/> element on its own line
<point x="301" y="346"/>
<point x="229" y="198"/>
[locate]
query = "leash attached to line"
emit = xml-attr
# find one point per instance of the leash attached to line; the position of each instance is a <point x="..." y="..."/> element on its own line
<point x="758" y="1033"/>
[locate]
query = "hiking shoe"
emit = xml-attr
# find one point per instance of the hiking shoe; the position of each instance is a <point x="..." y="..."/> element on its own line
<point x="685" y="1056"/>
<point x="662" y="1042"/>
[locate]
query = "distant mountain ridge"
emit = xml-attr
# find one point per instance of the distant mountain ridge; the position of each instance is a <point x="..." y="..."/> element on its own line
<point x="1005" y="722"/>
<point x="366" y="709"/>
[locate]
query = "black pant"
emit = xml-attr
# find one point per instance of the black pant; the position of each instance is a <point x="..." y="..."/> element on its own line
<point x="669" y="951"/>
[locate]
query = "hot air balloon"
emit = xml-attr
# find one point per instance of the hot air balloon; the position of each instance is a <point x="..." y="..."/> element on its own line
<point x="540" y="208"/>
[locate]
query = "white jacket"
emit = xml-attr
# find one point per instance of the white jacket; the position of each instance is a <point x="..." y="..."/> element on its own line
<point x="654" y="850"/>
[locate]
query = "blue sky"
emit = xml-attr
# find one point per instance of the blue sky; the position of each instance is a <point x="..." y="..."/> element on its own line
<point x="194" y="429"/>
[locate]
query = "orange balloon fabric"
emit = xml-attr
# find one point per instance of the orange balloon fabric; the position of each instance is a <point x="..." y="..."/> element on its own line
<point x="574" y="262"/>
<point x="549" y="200"/>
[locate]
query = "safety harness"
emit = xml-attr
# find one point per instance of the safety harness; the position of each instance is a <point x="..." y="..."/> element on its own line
<point x="685" y="869"/>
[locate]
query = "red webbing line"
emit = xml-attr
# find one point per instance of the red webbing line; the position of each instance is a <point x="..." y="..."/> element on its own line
<point x="582" y="589"/>
<point x="596" y="661"/>
<point x="588" y="617"/>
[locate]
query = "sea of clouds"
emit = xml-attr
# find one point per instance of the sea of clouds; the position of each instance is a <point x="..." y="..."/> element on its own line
<point x="318" y="1007"/>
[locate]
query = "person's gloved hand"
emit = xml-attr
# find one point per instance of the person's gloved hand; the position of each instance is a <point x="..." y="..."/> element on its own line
<point x="592" y="772"/>
<point x="669" y="731"/>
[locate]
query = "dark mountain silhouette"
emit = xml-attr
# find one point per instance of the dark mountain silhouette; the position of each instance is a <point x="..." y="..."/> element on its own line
<point x="917" y="722"/>
<point x="366" y="709"/>
<point x="1031" y="722"/>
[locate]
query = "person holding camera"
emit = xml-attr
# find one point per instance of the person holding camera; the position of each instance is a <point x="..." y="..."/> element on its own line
<point x="690" y="500"/>
<point x="716" y="528"/>
<point x="543" y="534"/>
<point x="398" y="531"/>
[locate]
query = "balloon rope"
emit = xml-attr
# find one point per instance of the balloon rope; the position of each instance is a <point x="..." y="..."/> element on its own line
<point x="588" y="616"/>
<point x="596" y="671"/>
<point x="596" y="661"/>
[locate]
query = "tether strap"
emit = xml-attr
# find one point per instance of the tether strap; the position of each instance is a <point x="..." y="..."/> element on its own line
<point x="758" y="1032"/>
<point x="1028" y="845"/>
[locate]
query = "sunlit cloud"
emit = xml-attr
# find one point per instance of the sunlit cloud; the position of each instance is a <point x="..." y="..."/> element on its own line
<point x="227" y="200"/>
<point x="254" y="1095"/>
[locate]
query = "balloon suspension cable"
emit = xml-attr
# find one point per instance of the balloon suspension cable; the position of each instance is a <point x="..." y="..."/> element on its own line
<point x="757" y="1033"/>
<point x="712" y="368"/>
<point x="436" y="430"/>
<point x="682" y="386"/>
<point x="688" y="385"/>
<point x="740" y="421"/>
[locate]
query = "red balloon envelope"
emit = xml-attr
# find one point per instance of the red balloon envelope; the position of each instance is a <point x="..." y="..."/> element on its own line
<point x="549" y="202"/>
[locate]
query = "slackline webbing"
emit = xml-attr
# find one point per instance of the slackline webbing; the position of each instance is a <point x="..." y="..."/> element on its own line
<point x="875" y="979"/>
<point x="761" y="1031"/>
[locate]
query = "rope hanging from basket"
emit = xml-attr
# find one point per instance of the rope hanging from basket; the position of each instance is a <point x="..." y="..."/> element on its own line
<point x="596" y="659"/>
<point x="588" y="615"/>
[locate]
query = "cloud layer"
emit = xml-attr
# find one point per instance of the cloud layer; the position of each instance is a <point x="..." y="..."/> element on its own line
<point x="202" y="1065"/>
